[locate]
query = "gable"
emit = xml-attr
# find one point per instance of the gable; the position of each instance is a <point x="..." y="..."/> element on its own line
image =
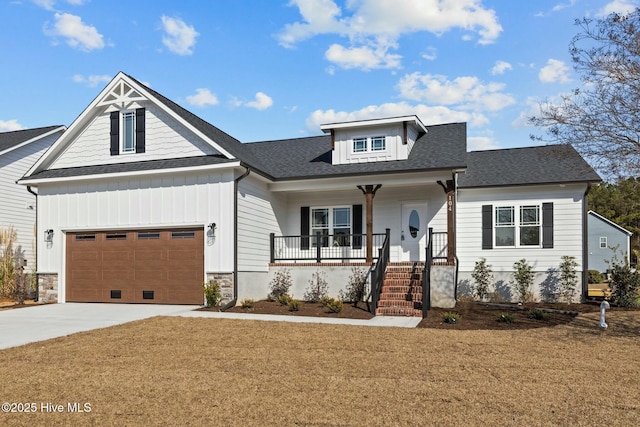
<point x="600" y="224"/>
<point x="163" y="131"/>
<point x="165" y="138"/>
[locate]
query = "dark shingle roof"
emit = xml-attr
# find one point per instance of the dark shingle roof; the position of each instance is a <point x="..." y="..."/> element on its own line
<point x="522" y="166"/>
<point x="11" y="139"/>
<point x="443" y="147"/>
<point x="132" y="167"/>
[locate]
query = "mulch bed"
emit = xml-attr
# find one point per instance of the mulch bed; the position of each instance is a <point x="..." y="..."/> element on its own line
<point x="306" y="309"/>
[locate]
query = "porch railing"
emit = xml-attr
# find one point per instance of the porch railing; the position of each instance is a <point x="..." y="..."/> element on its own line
<point x="335" y="247"/>
<point x="438" y="243"/>
<point x="377" y="273"/>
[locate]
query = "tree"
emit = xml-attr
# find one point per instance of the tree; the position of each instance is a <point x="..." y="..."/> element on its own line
<point x="602" y="119"/>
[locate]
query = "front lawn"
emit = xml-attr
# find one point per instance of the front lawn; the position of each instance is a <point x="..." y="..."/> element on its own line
<point x="198" y="371"/>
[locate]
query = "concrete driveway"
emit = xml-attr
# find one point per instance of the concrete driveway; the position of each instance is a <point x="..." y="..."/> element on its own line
<point x="21" y="326"/>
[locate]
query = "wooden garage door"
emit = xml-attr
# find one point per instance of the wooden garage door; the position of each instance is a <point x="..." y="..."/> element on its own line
<point x="146" y="266"/>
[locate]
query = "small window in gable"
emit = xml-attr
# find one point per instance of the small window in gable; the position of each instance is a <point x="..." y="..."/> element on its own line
<point x="128" y="132"/>
<point x="359" y="145"/>
<point x="378" y="143"/>
<point x="603" y="242"/>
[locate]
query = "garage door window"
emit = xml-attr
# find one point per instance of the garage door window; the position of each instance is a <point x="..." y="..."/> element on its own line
<point x="116" y="236"/>
<point x="183" y="234"/>
<point x="85" y="237"/>
<point x="148" y="236"/>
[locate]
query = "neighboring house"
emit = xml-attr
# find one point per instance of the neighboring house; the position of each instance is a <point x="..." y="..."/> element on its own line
<point x="606" y="241"/>
<point x="19" y="150"/>
<point x="143" y="201"/>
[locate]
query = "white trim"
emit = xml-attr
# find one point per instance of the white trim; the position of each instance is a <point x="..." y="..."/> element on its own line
<point x="34" y="139"/>
<point x="159" y="226"/>
<point x="413" y="120"/>
<point x="613" y="224"/>
<point x="122" y="114"/>
<point x="131" y="173"/>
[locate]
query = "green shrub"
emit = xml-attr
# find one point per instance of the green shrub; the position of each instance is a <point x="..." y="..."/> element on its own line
<point x="325" y="300"/>
<point x="318" y="287"/>
<point x="284" y="299"/>
<point x="212" y="293"/>
<point x="294" y="305"/>
<point x="568" y="278"/>
<point x="280" y="284"/>
<point x="505" y="318"/>
<point x="247" y="303"/>
<point x="537" y="314"/>
<point x="523" y="278"/>
<point x="482" y="276"/>
<point x="334" y="305"/>
<point x="356" y="287"/>
<point x="625" y="284"/>
<point x="595" y="276"/>
<point x="450" y="317"/>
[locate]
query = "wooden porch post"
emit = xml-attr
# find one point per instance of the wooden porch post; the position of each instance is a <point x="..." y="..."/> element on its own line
<point x="450" y="189"/>
<point x="369" y="192"/>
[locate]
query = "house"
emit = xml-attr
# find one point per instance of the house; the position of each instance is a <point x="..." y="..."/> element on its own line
<point x="142" y="201"/>
<point x="19" y="150"/>
<point x="606" y="241"/>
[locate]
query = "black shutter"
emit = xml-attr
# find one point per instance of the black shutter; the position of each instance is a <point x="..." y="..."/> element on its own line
<point x="547" y="225"/>
<point x="304" y="227"/>
<point x="356" y="222"/>
<point x="140" y="130"/>
<point x="487" y="226"/>
<point x="115" y="133"/>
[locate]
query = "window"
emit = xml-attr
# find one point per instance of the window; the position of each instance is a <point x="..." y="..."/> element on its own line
<point x="603" y="242"/>
<point x="378" y="143"/>
<point x="359" y="145"/>
<point x="331" y="221"/>
<point x="183" y="234"/>
<point x="128" y="132"/>
<point x="526" y="231"/>
<point x="85" y="237"/>
<point x="116" y="236"/>
<point x="148" y="236"/>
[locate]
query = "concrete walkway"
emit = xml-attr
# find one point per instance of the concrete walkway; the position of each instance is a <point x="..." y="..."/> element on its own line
<point x="42" y="322"/>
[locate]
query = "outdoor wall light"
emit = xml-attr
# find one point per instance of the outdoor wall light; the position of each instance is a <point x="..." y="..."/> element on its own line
<point x="48" y="235"/>
<point x="213" y="227"/>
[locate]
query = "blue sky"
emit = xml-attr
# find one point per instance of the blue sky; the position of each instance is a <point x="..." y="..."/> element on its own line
<point x="276" y="69"/>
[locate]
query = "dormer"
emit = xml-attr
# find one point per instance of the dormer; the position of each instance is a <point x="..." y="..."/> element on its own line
<point x="377" y="140"/>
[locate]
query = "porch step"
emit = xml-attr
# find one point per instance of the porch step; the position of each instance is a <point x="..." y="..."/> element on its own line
<point x="401" y="293"/>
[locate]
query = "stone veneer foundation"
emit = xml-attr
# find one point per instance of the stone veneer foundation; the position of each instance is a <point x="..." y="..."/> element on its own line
<point x="226" y="285"/>
<point x="47" y="287"/>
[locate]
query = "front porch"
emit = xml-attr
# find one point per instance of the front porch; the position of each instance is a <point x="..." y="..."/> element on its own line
<point x="395" y="287"/>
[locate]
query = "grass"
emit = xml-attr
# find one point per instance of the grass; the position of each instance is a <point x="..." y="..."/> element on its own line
<point x="191" y="371"/>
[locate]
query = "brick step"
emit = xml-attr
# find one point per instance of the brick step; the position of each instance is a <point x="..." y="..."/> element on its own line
<point x="401" y="289"/>
<point x="406" y="276"/>
<point x="399" y="303"/>
<point x="398" y="311"/>
<point x="401" y="282"/>
<point x="404" y="270"/>
<point x="401" y="296"/>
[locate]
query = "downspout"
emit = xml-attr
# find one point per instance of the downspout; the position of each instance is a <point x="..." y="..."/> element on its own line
<point x="233" y="302"/>
<point x="37" y="291"/>
<point x="585" y="244"/>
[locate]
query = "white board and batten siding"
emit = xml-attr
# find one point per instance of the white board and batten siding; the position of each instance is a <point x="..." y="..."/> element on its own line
<point x="394" y="147"/>
<point x="260" y="212"/>
<point x="567" y="228"/>
<point x="17" y="205"/>
<point x="167" y="201"/>
<point x="165" y="139"/>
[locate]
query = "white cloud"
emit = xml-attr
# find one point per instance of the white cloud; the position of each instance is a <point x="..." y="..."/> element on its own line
<point x="77" y="33"/>
<point x="622" y="7"/>
<point x="500" y="67"/>
<point x="9" y="125"/>
<point x="49" y="4"/>
<point x="479" y="143"/>
<point x="555" y="71"/>
<point x="364" y="57"/>
<point x="92" y="80"/>
<point x="430" y="53"/>
<point x="179" y="37"/>
<point x="533" y="109"/>
<point x="261" y="102"/>
<point x="468" y="93"/>
<point x="378" y="24"/>
<point x="202" y="98"/>
<point x="428" y="115"/>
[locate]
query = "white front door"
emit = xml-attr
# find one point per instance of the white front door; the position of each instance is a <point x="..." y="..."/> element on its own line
<point x="414" y="231"/>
